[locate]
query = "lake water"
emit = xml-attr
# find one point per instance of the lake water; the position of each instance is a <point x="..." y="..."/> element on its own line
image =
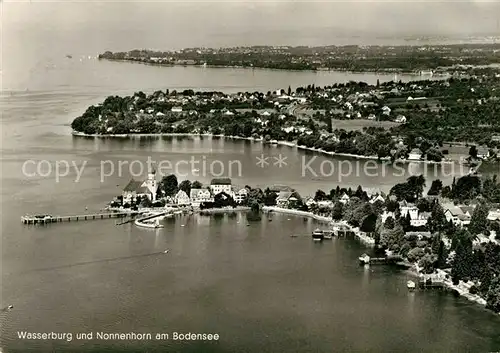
<point x="255" y="286"/>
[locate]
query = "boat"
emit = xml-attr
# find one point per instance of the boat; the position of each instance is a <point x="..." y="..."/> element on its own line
<point x="327" y="234"/>
<point x="69" y="56"/>
<point x="411" y="285"/>
<point x="10" y="307"/>
<point x="318" y="235"/>
<point x="166" y="251"/>
<point x="364" y="259"/>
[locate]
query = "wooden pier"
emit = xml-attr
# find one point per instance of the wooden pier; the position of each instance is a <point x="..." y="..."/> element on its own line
<point x="44" y="219"/>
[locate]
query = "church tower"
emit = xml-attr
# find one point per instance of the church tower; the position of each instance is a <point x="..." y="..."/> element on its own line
<point x="151" y="183"/>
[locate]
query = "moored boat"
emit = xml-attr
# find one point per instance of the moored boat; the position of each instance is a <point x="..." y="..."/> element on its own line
<point x="364" y="259"/>
<point x="318" y="235"/>
<point x="327" y="234"/>
<point x="411" y="285"/>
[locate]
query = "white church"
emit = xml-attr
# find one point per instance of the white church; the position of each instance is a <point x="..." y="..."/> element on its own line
<point x="136" y="188"/>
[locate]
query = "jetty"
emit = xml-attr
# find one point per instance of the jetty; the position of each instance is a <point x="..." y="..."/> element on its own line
<point x="44" y="219"/>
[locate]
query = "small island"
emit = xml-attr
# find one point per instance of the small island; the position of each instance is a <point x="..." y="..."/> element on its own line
<point x="387" y="121"/>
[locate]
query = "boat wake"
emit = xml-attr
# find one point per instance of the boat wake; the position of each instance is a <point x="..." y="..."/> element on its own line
<point x="54" y="268"/>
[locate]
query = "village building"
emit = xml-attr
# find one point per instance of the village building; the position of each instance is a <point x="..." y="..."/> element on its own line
<point x="181" y="198"/>
<point x="344" y="198"/>
<point x="221" y="185"/>
<point x="458" y="215"/>
<point x="198" y="196"/>
<point x="415" y="155"/>
<point x="137" y="189"/>
<point x="239" y="195"/>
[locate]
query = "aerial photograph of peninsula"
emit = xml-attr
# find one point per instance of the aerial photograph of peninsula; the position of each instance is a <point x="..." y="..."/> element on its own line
<point x="250" y="176"/>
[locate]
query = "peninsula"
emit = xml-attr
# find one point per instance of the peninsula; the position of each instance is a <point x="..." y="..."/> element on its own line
<point x="424" y="59"/>
<point x="390" y="120"/>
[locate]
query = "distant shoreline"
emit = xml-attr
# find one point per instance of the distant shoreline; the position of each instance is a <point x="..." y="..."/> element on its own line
<point x="280" y="143"/>
<point x="386" y="71"/>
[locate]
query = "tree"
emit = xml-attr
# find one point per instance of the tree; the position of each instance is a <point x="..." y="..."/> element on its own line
<point x="389" y="223"/>
<point x="493" y="296"/>
<point x="337" y="210"/>
<point x="436" y="187"/>
<point x="289" y="90"/>
<point x="462" y="263"/>
<point x="437" y="221"/>
<point x="320" y="196"/>
<point x="169" y="185"/>
<point x="196" y="185"/>
<point x="479" y="221"/>
<point x="434" y="154"/>
<point x="392" y="238"/>
<point x="473" y="151"/>
<point x="185" y="186"/>
<point x="417" y="183"/>
<point x="368" y="223"/>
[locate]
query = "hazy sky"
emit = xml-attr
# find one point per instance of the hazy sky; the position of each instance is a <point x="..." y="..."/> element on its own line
<point x="363" y="17"/>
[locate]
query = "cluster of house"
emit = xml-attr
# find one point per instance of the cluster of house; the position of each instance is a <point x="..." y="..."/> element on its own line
<point x="136" y="190"/>
<point x="459" y="215"/>
<point x="198" y="196"/>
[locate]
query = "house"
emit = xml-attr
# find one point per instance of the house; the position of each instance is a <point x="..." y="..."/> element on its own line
<point x="309" y="201"/>
<point x="415" y="155"/>
<point x="286" y="199"/>
<point x="181" y="198"/>
<point x="419" y="235"/>
<point x="400" y="119"/>
<point x="371" y="117"/>
<point x="240" y="195"/>
<point x="417" y="218"/>
<point x="494" y="215"/>
<point x="221" y="185"/>
<point x="456" y="215"/>
<point x="135" y="188"/>
<point x="386" y="215"/>
<point x="176" y="109"/>
<point x="495" y="138"/>
<point x="325" y="204"/>
<point x="376" y="198"/>
<point x="198" y="196"/>
<point x="283" y="198"/>
<point x="483" y="152"/>
<point x="386" y="110"/>
<point x="345" y="198"/>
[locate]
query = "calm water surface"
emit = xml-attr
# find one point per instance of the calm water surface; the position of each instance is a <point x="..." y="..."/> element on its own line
<point x="255" y="286"/>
